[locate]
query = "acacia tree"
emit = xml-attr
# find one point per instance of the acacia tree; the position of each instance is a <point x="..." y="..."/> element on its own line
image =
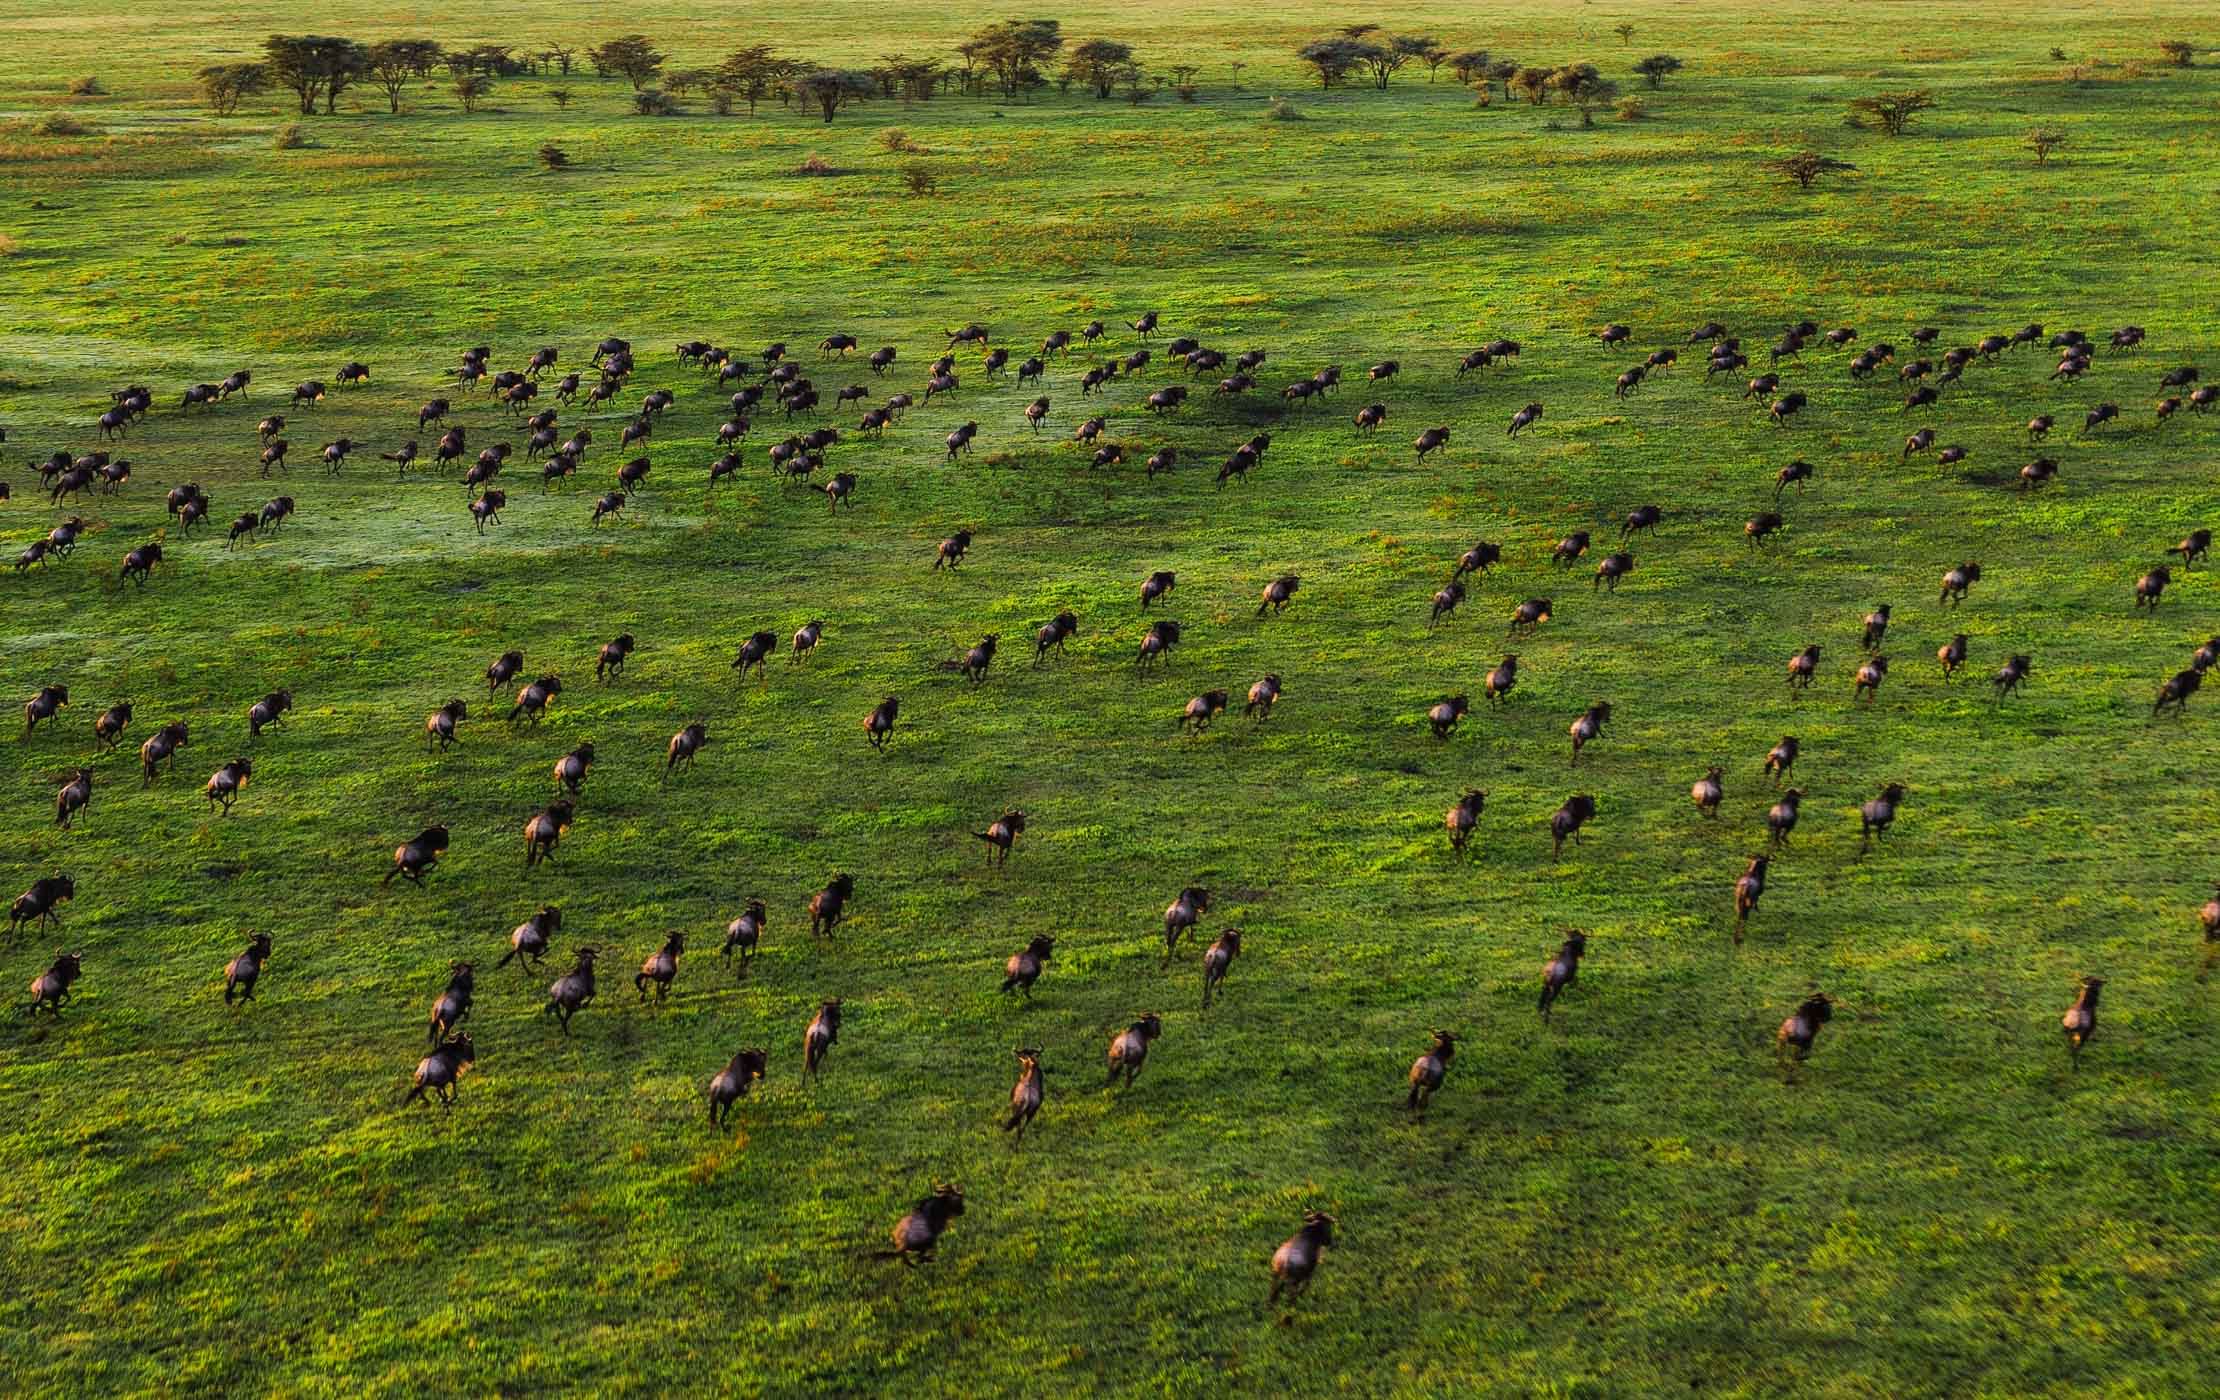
<point x="1890" y="111"/>
<point x="225" y="85"/>
<point x="1014" y="50"/>
<point x="314" y="65"/>
<point x="834" y="88"/>
<point x="1333" y="58"/>
<point x="1421" y="48"/>
<point x="1805" y="166"/>
<point x="2178" y="52"/>
<point x="562" y="57"/>
<point x="1466" y="64"/>
<point x="1625" y="32"/>
<point x="1585" y="88"/>
<point x="1503" y="70"/>
<point x="394" y="63"/>
<point x="1529" y="83"/>
<point x="1657" y="67"/>
<point x="1096" y="63"/>
<point x="631" y="57"/>
<point x="472" y="89"/>
<point x="2043" y="141"/>
<point x="751" y="73"/>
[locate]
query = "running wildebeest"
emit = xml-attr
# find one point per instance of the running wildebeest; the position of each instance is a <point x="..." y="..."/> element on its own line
<point x="72" y="795"/>
<point x="2080" y="1020"/>
<point x="829" y="905"/>
<point x="1001" y="834"/>
<point x="1529" y="615"/>
<point x="2150" y="586"/>
<point x="545" y="829"/>
<point x="1589" y="726"/>
<point x="878" y="726"/>
<point x="1958" y="580"/>
<point x="1204" y="708"/>
<point x="819" y="1039"/>
<point x="1781" y="817"/>
<point x="53" y="987"/>
<point x="454" y="1000"/>
<point x="439" y="725"/>
<point x="1877" y="815"/>
<point x="661" y="967"/>
<point x="1747" y="891"/>
<point x="1158" y="584"/>
<point x="1129" y="1048"/>
<point x="243" y="971"/>
<point x="2014" y="671"/>
<point x="952" y="551"/>
<point x="108" y="728"/>
<point x="416" y="858"/>
<point x="610" y="663"/>
<point x="162" y="749"/>
<point x="1024" y="967"/>
<point x="227" y="782"/>
<point x="1163" y="635"/>
<point x="1871" y="673"/>
<point x="439" y="1071"/>
<point x="572" y="767"/>
<point x="1446" y="714"/>
<point x="1064" y="625"/>
<point x="1262" y="697"/>
<point x="917" y="1234"/>
<point x="530" y="940"/>
<point x="39" y="905"/>
<point x="1801" y="1029"/>
<point x="684" y="745"/>
<point x="532" y="700"/>
<point x="730" y="1084"/>
<point x="1709" y="791"/>
<point x="570" y="993"/>
<point x="1277" y="593"/>
<point x="1567" y="820"/>
<point x="1295" y="1262"/>
<point x="1802" y="668"/>
<point x="46" y="705"/>
<point x="1428" y="1070"/>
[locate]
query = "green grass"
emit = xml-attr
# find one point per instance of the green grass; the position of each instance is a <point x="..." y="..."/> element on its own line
<point x="1629" y="1202"/>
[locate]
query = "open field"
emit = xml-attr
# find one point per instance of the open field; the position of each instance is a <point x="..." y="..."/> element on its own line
<point x="1630" y="1200"/>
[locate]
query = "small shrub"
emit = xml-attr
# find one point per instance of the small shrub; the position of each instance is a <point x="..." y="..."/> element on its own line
<point x="650" y="102"/>
<point x="1283" y="110"/>
<point x="289" y="137"/>
<point x="2131" y="70"/>
<point x="2058" y="55"/>
<point x="9" y="248"/>
<point x="720" y="101"/>
<point x="814" y="164"/>
<point x="1483" y="96"/>
<point x="919" y="180"/>
<point x="1188" y="93"/>
<point x="554" y="157"/>
<point x="560" y="97"/>
<point x="2043" y="142"/>
<point x="2178" y="51"/>
<point x="898" y="141"/>
<point x="62" y="124"/>
<point x="1632" y="109"/>
<point x="86" y="87"/>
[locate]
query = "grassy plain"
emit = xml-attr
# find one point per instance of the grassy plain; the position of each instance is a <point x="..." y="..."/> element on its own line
<point x="1628" y="1202"/>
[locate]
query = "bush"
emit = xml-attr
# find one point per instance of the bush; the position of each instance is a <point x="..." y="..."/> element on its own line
<point x="1187" y="92"/>
<point x="815" y="164"/>
<point x="1632" y="109"/>
<point x="1283" y="110"/>
<point x="9" y="248"/>
<point x="60" y="124"/>
<point x="721" y="100"/>
<point x="560" y="97"/>
<point x="554" y="157"/>
<point x="290" y="137"/>
<point x="919" y="180"/>
<point x="1483" y="96"/>
<point x="651" y="103"/>
<point x="2178" y="52"/>
<point x="2042" y="142"/>
<point x="86" y="87"/>
<point x="898" y="141"/>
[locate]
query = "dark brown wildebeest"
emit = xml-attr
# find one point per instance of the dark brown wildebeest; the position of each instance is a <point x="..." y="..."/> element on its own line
<point x="975" y="663"/>
<point x="1478" y="560"/>
<point x="1747" y="891"/>
<point x="2013" y="673"/>
<point x="1429" y="1069"/>
<point x="1430" y="440"/>
<point x="1464" y="818"/>
<point x="416" y="858"/>
<point x="745" y="932"/>
<point x="1958" y="580"/>
<point x="1709" y="791"/>
<point x="1876" y="628"/>
<point x="1262" y="697"/>
<point x="1589" y="727"/>
<point x="160" y="749"/>
<point x="1630" y="382"/>
<point x="1802" y="667"/>
<point x="530" y="939"/>
<point x="952" y="551"/>
<point x="830" y="905"/>
<point x="545" y="829"/>
<point x="917" y="1234"/>
<point x="140" y="562"/>
<point x="2080" y="1020"/>
<point x="2038" y="473"/>
<point x="571" y="768"/>
<point x="53" y="987"/>
<point x="2176" y="692"/>
<point x="1371" y="416"/>
<point x="1025" y="1095"/>
<point x="754" y="652"/>
<point x="227" y="782"/>
<point x="1278" y="592"/>
<point x="614" y="653"/>
<point x="2153" y="584"/>
<point x="487" y="508"/>
<point x="1001" y="834"/>
<point x="1202" y="709"/>
<point x="661" y="967"/>
<point x="1879" y="814"/>
<point x="1499" y="682"/>
<point x="1218" y="961"/>
<point x="1446" y="714"/>
<point x="46" y="705"/>
<point x="533" y="700"/>
<point x="608" y="505"/>
<point x="730" y="1084"/>
<point x="572" y="992"/>
<point x="1053" y="635"/>
<point x="1781" y="817"/>
<point x="1024" y="967"/>
<point x="1567" y="820"/>
<point x="1798" y="471"/>
<point x="1786" y="407"/>
<point x="40" y="905"/>
<point x="1611" y="569"/>
<point x="245" y="523"/>
<point x="72" y="796"/>
<point x="1782" y="758"/>
<point x="275" y="512"/>
<point x="1295" y="1262"/>
<point x="1613" y="333"/>
<point x="1563" y="970"/>
<point x="805" y="641"/>
<point x="818" y="1040"/>
<point x="439" y="725"/>
<point x="1529" y="615"/>
<point x="454" y="1000"/>
<point x="109" y="727"/>
<point x="684" y="745"/>
<point x="1570" y="548"/>
<point x="1525" y="418"/>
<point x="1446" y="599"/>
<point x="2193" y="547"/>
<point x="1129" y="1048"/>
<point x="1163" y="635"/>
<point x="2039" y="426"/>
<point x="242" y="972"/>
<point x="1952" y="655"/>
<point x="504" y="669"/>
<point x="440" y="1071"/>
<point x="1871" y="673"/>
<point x="1181" y="915"/>
<point x="878" y="726"/>
<point x="1156" y="585"/>
<point x="1162" y="460"/>
<point x="1795" y="1037"/>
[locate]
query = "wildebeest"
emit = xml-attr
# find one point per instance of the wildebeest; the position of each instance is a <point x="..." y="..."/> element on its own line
<point x="439" y="725"/>
<point x="1611" y="569"/>
<point x="1262" y="697"/>
<point x="55" y="986"/>
<point x="1529" y="615"/>
<point x="830" y="904"/>
<point x="1181" y="915"/>
<point x="1064" y="625"/>
<point x="1445" y="715"/>
<point x="952" y="551"/>
<point x="1589" y="727"/>
<point x="1525" y="418"/>
<point x="684" y="745"/>
<point x="572" y="767"/>
<point x="1202" y="709"/>
<point x="439" y="1071"/>
<point x="570" y="993"/>
<point x="1156" y="585"/>
<point x="45" y="705"/>
<point x="2193" y="547"/>
<point x="162" y="749"/>
<point x="1002" y="834"/>
<point x="1871" y="672"/>
<point x="1877" y="815"/>
<point x="1446" y="599"/>
<point x="1567" y="820"/>
<point x="39" y="905"/>
<point x="1129" y="1048"/>
<point x="2080" y="1020"/>
<point x="976" y="661"/>
<point x="2009" y="678"/>
<point x="140" y="562"/>
<point x="2150" y="586"/>
<point x="1295" y="1262"/>
<point x="416" y="858"/>
<point x="878" y="726"/>
<point x="1958" y="580"/>
<point x="1781" y="817"/>
<point x="819" y="1039"/>
<point x="1747" y="891"/>
<point x="1709" y="791"/>
<point x="243" y="971"/>
<point x="530" y="940"/>
<point x="109" y="726"/>
<point x="227" y="782"/>
<point x="614" y="653"/>
<point x="1570" y="548"/>
<point x="1024" y="967"/>
<point x="754" y="652"/>
<point x="917" y="1234"/>
<point x="1163" y="635"/>
<point x="1277" y="593"/>
<point x="1797" y="1033"/>
<point x="1952" y="655"/>
<point x="731" y="1083"/>
<point x="661" y="967"/>
<point x="1562" y="971"/>
<point x="745" y="932"/>
<point x="546" y="828"/>
<point x="454" y="1000"/>
<point x="532" y="701"/>
<point x="1428" y="1070"/>
<point x="1802" y="667"/>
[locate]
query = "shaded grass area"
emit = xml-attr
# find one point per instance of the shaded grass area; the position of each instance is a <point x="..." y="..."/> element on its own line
<point x="1629" y="1201"/>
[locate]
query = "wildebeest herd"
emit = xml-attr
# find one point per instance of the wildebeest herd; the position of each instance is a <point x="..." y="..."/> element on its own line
<point x="774" y="380"/>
